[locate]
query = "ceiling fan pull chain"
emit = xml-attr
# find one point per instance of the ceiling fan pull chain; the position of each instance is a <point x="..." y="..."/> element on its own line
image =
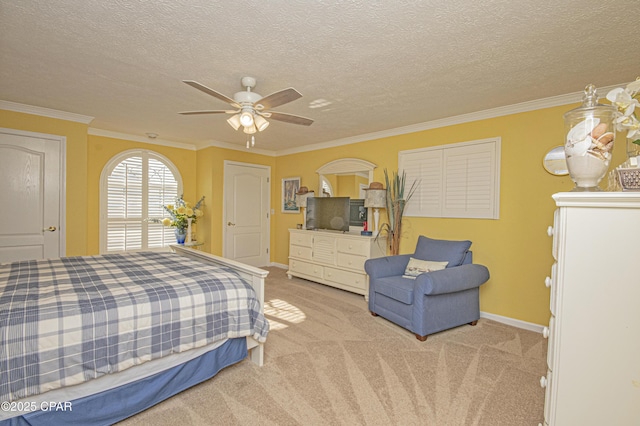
<point x="253" y="142"/>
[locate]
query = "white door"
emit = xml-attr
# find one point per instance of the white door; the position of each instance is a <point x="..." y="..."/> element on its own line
<point x="30" y="195"/>
<point x="246" y="213"/>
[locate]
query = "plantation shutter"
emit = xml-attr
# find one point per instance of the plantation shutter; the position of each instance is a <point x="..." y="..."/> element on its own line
<point x="457" y="181"/>
<point x="424" y="168"/>
<point x="137" y="189"/>
<point x="163" y="190"/>
<point x="124" y="206"/>
<point x="468" y="180"/>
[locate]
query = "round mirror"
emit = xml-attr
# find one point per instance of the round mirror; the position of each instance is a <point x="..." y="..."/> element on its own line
<point x="555" y="162"/>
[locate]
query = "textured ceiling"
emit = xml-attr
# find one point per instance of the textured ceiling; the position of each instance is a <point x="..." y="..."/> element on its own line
<point x="381" y="65"/>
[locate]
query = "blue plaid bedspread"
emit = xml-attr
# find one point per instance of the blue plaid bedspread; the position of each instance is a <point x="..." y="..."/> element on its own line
<point x="66" y="321"/>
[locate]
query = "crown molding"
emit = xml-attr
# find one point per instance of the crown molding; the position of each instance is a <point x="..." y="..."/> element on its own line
<point x="45" y="112"/>
<point x="137" y="138"/>
<point x="537" y="104"/>
<point x="226" y="145"/>
<point x="549" y="102"/>
<point x="173" y="144"/>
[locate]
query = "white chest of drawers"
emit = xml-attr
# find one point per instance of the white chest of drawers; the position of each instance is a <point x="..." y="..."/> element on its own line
<point x="335" y="259"/>
<point x="593" y="358"/>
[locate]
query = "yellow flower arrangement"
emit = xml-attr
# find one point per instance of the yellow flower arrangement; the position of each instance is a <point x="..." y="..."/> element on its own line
<point x="180" y="212"/>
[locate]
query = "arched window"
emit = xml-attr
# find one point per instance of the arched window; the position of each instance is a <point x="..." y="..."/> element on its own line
<point x="134" y="187"/>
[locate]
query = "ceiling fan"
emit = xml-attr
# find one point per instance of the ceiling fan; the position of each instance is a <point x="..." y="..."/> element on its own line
<point x="251" y="109"/>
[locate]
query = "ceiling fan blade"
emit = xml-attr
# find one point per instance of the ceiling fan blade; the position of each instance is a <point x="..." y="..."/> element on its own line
<point x="290" y="118"/>
<point x="211" y="92"/>
<point x="279" y="98"/>
<point x="217" y="111"/>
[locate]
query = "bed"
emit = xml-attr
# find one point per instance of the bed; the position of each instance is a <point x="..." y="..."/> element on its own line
<point x="96" y="339"/>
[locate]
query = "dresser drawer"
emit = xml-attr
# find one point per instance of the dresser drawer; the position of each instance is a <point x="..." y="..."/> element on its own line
<point x="300" y="252"/>
<point x="552" y="343"/>
<point x="350" y="279"/>
<point x="553" y="232"/>
<point x="350" y="246"/>
<point x="300" y="239"/>
<point x="553" y="300"/>
<point x="351" y="261"/>
<point x="305" y="268"/>
<point x="547" y="397"/>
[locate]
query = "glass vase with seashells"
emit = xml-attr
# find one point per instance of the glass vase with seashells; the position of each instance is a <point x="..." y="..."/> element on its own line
<point x="589" y="141"/>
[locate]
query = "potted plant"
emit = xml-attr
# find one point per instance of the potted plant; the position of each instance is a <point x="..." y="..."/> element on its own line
<point x="397" y="199"/>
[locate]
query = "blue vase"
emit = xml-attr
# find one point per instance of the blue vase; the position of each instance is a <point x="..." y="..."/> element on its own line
<point x="181" y="234"/>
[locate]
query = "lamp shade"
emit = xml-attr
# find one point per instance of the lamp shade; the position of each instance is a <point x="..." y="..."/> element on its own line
<point x="376" y="198"/>
<point x="261" y="123"/>
<point x="234" y="121"/>
<point x="301" y="199"/>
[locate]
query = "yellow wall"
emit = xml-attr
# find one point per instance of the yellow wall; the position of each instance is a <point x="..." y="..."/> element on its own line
<point x="102" y="149"/>
<point x="515" y="248"/>
<point x="76" y="161"/>
<point x="349" y="185"/>
<point x="210" y="172"/>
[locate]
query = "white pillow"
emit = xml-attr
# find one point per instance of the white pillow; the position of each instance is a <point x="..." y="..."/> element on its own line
<point x="417" y="267"/>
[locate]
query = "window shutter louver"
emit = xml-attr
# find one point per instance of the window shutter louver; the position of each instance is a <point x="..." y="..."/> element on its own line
<point x="424" y="168"/>
<point x="457" y="181"/>
<point x="163" y="190"/>
<point x="137" y="189"/>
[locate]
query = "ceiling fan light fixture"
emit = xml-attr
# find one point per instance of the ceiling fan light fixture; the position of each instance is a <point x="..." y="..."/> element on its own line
<point x="252" y="111"/>
<point x="234" y="121"/>
<point x="261" y="123"/>
<point x="246" y="118"/>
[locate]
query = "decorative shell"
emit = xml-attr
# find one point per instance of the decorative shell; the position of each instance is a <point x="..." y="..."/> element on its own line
<point x="599" y="130"/>
<point x="582" y="137"/>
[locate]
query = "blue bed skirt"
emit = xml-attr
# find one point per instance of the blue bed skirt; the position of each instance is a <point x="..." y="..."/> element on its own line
<point x="111" y="406"/>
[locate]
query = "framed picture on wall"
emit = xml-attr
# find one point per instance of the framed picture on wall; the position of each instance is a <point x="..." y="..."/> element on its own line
<point x="289" y="188"/>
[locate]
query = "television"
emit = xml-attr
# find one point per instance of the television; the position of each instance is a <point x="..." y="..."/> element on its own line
<point x="358" y="214"/>
<point x="330" y="213"/>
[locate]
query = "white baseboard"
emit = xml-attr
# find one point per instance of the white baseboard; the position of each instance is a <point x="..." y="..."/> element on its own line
<point x="497" y="318"/>
<point x="513" y="322"/>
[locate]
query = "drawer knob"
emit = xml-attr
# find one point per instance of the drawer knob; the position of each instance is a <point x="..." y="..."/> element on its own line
<point x="550" y="231"/>
<point x="543" y="382"/>
<point x="547" y="282"/>
<point x="545" y="332"/>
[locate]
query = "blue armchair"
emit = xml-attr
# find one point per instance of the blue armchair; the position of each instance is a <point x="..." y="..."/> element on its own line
<point x="433" y="301"/>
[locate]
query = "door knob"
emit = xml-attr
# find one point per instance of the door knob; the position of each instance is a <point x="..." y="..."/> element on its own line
<point x="50" y="229"/>
<point x="231" y="224"/>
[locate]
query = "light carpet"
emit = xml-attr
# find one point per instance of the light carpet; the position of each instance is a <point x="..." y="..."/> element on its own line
<point x="328" y="361"/>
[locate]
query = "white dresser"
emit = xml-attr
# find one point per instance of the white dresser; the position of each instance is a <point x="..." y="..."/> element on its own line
<point x="333" y="258"/>
<point x="593" y="359"/>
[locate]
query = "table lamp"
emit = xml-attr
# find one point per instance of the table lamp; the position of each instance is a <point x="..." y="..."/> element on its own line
<point x="301" y="202"/>
<point x="376" y="198"/>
